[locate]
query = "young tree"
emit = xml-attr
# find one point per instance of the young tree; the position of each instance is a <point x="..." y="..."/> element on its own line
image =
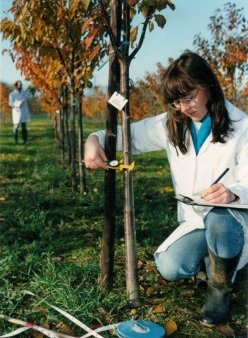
<point x="65" y="32"/>
<point x="150" y="10"/>
<point x="227" y="50"/>
<point x="108" y="235"/>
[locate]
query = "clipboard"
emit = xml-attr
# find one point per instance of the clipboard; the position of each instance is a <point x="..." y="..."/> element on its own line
<point x="202" y="202"/>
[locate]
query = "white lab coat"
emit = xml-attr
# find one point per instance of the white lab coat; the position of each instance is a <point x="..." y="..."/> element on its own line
<point x="18" y="102"/>
<point x="192" y="174"/>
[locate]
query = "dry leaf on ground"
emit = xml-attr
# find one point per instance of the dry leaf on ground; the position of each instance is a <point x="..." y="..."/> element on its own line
<point x="154" y="318"/>
<point x="170" y="327"/>
<point x="140" y="264"/>
<point x="149" y="291"/>
<point x="62" y="327"/>
<point x="133" y="312"/>
<point x="158" y="309"/>
<point x="227" y="331"/>
<point x="162" y="281"/>
<point x="187" y="292"/>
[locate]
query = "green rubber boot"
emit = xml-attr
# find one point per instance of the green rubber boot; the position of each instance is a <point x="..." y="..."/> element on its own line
<point x="216" y="308"/>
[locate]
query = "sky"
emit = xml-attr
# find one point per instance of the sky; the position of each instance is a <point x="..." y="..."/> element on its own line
<point x="190" y="17"/>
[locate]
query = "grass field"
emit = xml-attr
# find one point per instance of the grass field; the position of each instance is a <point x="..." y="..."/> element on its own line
<point x="50" y="244"/>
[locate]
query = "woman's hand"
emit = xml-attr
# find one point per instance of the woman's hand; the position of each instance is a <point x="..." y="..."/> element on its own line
<point x="94" y="154"/>
<point x="218" y="193"/>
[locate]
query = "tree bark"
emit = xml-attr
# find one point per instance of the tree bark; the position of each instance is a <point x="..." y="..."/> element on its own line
<point x="129" y="218"/>
<point x="108" y="235"/>
<point x="73" y="139"/>
<point x="62" y="126"/>
<point x="66" y="113"/>
<point x="82" y="179"/>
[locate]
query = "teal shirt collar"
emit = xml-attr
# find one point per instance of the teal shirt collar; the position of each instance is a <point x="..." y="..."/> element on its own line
<point x="204" y="131"/>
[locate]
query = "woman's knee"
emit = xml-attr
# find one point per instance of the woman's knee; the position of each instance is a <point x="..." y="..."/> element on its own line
<point x="219" y="222"/>
<point x="224" y="233"/>
<point x="173" y="268"/>
<point x="167" y="266"/>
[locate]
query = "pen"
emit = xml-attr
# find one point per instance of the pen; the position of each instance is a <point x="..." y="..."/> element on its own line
<point x="220" y="177"/>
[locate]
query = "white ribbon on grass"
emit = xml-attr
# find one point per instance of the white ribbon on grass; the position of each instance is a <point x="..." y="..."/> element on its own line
<point x="16" y="332"/>
<point x="50" y="333"/>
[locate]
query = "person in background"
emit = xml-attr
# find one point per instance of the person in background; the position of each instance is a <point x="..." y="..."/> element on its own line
<point x="20" y="111"/>
<point x="203" y="134"/>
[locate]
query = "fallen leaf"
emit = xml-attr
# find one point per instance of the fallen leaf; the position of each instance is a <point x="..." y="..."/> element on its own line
<point x="158" y="309"/>
<point x="162" y="281"/>
<point x="170" y="327"/>
<point x="227" y="331"/>
<point x="43" y="309"/>
<point x="154" y="318"/>
<point x="140" y="264"/>
<point x="187" y="292"/>
<point x="149" y="291"/>
<point x="133" y="312"/>
<point x="151" y="268"/>
<point x="62" y="327"/>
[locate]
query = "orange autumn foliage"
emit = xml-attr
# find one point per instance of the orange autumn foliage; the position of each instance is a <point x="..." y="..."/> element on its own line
<point x="227" y="50"/>
<point x="95" y="105"/>
<point x="5" y="110"/>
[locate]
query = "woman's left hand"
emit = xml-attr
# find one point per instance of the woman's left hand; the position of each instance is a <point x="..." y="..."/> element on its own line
<point x="218" y="193"/>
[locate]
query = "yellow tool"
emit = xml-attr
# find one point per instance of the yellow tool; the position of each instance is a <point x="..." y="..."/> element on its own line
<point x="119" y="166"/>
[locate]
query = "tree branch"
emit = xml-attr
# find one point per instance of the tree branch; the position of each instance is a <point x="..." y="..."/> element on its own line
<point x="135" y="51"/>
<point x="62" y="60"/>
<point x="109" y="29"/>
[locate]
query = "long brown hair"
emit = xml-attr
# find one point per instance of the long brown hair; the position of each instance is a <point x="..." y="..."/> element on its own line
<point x="188" y="72"/>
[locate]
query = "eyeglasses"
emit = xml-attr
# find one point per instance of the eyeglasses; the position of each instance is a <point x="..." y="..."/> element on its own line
<point x="176" y="105"/>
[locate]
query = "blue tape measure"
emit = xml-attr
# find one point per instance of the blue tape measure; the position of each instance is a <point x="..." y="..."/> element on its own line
<point x="140" y="328"/>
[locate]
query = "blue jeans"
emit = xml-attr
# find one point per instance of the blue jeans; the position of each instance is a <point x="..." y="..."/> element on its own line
<point x="222" y="234"/>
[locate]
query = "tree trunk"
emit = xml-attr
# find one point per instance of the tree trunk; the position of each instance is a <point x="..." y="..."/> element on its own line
<point x="81" y="168"/>
<point x="62" y="127"/>
<point x="67" y="124"/>
<point x="73" y="139"/>
<point x="62" y="134"/>
<point x="108" y="235"/>
<point x="129" y="219"/>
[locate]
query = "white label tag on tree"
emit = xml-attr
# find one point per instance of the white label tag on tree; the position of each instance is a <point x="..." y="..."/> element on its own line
<point x="118" y="101"/>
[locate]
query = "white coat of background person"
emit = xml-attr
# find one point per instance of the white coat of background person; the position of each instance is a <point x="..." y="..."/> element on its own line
<point x="20" y="112"/>
<point x="203" y="134"/>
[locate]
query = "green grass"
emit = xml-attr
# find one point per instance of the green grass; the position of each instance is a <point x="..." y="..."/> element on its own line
<point x="50" y="242"/>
